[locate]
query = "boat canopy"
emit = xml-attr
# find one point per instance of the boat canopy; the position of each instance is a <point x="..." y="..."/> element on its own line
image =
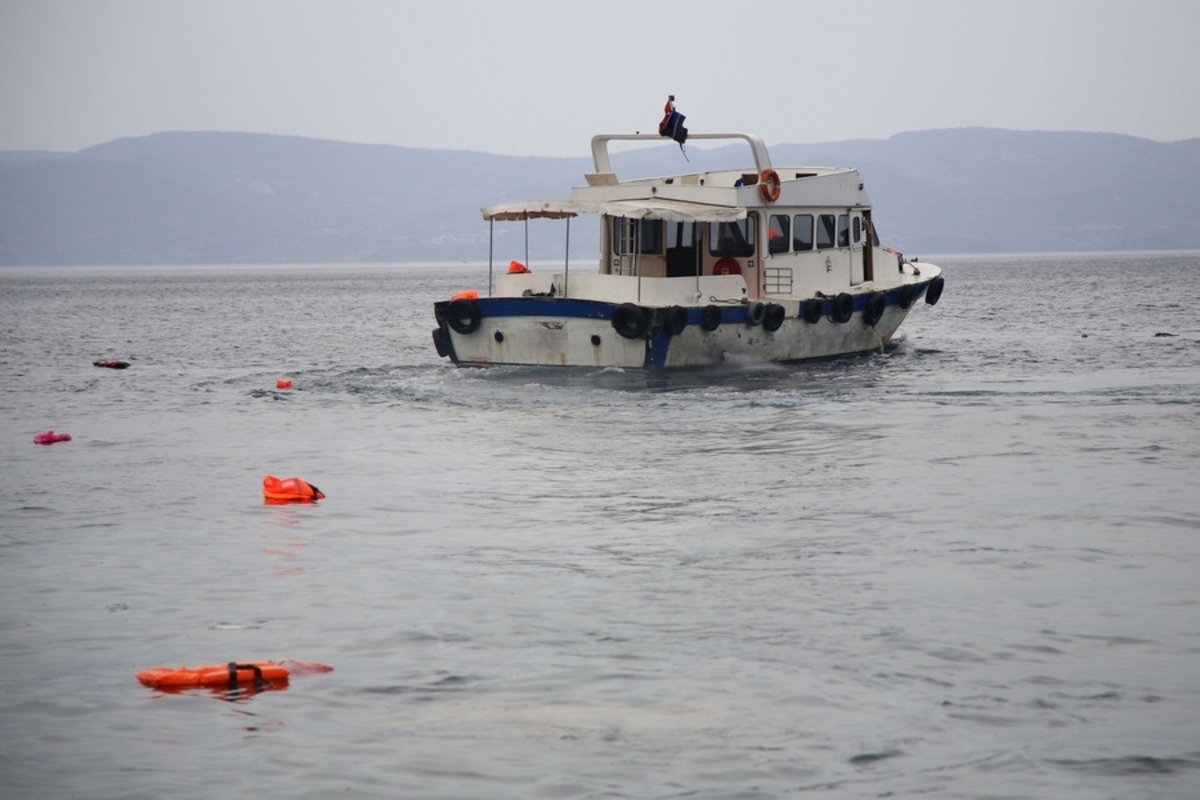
<point x="669" y="210"/>
<point x="534" y="209"/>
<point x="672" y="211"/>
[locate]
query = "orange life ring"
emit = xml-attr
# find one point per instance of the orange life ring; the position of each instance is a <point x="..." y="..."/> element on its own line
<point x="290" y="490"/>
<point x="727" y="266"/>
<point x="769" y="185"/>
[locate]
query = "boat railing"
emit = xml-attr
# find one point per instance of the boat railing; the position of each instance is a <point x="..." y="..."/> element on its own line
<point x="603" y="164"/>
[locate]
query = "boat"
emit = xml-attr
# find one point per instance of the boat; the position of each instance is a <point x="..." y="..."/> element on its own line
<point x="761" y="263"/>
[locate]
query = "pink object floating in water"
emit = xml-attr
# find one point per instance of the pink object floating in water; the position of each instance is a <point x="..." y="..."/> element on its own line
<point x="50" y="437"/>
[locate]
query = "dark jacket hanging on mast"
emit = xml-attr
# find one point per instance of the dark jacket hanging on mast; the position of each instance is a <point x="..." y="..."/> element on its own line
<point x="672" y="123"/>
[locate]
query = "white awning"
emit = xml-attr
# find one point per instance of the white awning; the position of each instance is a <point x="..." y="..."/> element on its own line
<point x="672" y="211"/>
<point x="535" y="209"/>
<point x="669" y="210"/>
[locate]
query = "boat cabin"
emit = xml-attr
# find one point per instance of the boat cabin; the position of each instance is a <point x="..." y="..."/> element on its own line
<point x="783" y="251"/>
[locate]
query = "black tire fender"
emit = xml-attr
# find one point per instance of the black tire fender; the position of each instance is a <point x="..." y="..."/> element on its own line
<point x="463" y="316"/>
<point x="676" y="318"/>
<point x="755" y="313"/>
<point x="811" y="311"/>
<point x="630" y="320"/>
<point x="934" y="292"/>
<point x="876" y="305"/>
<point x="774" y="317"/>
<point x="843" y="307"/>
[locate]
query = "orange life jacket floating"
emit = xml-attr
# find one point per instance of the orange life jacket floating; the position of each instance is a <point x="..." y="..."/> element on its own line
<point x="283" y="383"/>
<point x="290" y="490"/>
<point x="259" y="674"/>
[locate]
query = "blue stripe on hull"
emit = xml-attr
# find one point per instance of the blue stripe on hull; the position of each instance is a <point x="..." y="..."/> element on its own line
<point x="596" y="309"/>
<point x="658" y="337"/>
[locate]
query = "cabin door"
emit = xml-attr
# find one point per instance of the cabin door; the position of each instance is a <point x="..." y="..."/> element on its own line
<point x="868" y="250"/>
<point x="855" y="235"/>
<point x="683" y="249"/>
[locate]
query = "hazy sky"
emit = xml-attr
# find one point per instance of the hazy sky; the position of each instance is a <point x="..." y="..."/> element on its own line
<point x="534" y="77"/>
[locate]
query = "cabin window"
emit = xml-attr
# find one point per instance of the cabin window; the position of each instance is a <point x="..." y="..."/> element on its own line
<point x="802" y="233"/>
<point x="780" y="223"/>
<point x="844" y="230"/>
<point x="856" y="229"/>
<point x="825" y="227"/>
<point x="643" y="236"/>
<point x="735" y="239"/>
<point x="680" y="234"/>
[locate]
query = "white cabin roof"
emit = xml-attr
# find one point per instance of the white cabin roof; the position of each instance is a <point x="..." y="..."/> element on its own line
<point x="712" y="196"/>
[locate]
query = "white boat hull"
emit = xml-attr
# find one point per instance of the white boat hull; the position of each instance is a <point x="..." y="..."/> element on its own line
<point x="582" y="333"/>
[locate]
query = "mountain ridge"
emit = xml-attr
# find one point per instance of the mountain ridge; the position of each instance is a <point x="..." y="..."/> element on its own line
<point x="188" y="197"/>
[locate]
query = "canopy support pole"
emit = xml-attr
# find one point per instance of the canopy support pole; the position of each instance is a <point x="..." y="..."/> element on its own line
<point x="637" y="255"/>
<point x="567" y="259"/>
<point x="491" y="242"/>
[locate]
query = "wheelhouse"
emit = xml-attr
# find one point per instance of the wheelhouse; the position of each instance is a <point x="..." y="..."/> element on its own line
<point x="786" y="251"/>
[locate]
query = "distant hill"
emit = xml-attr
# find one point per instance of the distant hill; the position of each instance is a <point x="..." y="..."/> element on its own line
<point x="194" y="198"/>
<point x="977" y="190"/>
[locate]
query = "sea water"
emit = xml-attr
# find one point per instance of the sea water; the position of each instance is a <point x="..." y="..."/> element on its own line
<point x="963" y="567"/>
